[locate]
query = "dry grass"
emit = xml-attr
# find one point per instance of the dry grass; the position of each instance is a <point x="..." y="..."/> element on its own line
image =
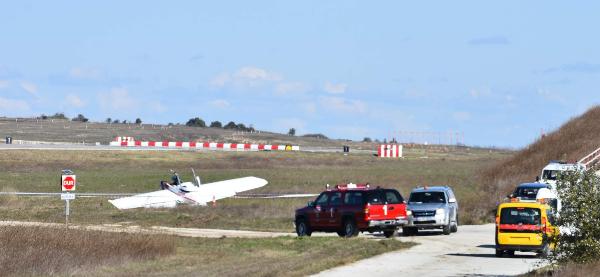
<point x="570" y="142"/>
<point x="569" y="270"/>
<point x="58" y="251"/>
<point x="284" y="256"/>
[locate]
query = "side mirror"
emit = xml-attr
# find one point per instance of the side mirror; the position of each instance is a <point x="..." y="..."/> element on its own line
<point x="452" y="200"/>
<point x="311" y="203"/>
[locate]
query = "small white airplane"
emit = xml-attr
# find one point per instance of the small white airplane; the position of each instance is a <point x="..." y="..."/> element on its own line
<point x="177" y="192"/>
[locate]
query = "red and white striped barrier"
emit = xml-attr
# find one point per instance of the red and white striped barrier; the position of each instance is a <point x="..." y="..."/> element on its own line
<point x="390" y="151"/>
<point x="205" y="145"/>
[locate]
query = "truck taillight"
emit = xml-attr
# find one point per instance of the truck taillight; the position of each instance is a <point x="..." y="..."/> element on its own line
<point x="544" y="224"/>
<point x="497" y="221"/>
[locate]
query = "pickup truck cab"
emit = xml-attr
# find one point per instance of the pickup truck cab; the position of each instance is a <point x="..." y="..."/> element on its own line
<point x="524" y="226"/>
<point x="352" y="208"/>
<point x="432" y="208"/>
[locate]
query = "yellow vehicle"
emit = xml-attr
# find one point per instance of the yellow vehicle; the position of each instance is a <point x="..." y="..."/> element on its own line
<point x="524" y="226"/>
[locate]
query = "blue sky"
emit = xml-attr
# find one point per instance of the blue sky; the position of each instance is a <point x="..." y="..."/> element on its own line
<point x="497" y="72"/>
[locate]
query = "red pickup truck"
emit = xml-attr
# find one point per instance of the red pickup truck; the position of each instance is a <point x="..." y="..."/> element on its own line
<point x="352" y="208"/>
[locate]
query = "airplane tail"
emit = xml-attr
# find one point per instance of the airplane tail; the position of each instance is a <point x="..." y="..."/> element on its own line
<point x="196" y="178"/>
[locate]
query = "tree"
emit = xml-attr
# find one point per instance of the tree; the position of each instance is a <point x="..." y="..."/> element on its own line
<point x="580" y="196"/>
<point x="80" y="118"/>
<point x="138" y="121"/>
<point x="216" y="124"/>
<point x="196" y="122"/>
<point x="116" y="121"/>
<point x="230" y="125"/>
<point x="292" y="132"/>
<point x="124" y="121"/>
<point x="367" y="139"/>
<point x="241" y="127"/>
<point x="108" y="120"/>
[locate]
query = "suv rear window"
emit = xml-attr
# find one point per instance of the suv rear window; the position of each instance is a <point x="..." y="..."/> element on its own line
<point x="354" y="198"/>
<point x="389" y="196"/>
<point x="527" y="216"/>
<point x="427" y="197"/>
<point x="527" y="193"/>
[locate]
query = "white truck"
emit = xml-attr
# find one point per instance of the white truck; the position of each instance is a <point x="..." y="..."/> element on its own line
<point x="554" y="169"/>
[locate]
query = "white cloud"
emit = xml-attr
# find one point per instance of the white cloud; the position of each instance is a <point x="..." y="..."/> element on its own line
<point x="85" y="73"/>
<point x="117" y="99"/>
<point x="74" y="101"/>
<point x="342" y="105"/>
<point x="551" y="96"/>
<point x="4" y="84"/>
<point x="29" y="87"/>
<point x="12" y="106"/>
<point x="248" y="76"/>
<point x="461" y="116"/>
<point x="220" y="103"/>
<point x="290" y="88"/>
<point x="335" y="88"/>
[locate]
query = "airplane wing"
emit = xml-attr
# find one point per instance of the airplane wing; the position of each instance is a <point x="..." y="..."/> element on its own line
<point x="223" y="189"/>
<point x="155" y="199"/>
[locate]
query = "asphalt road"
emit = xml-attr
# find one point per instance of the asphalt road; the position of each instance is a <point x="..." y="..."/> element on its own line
<point x="470" y="252"/>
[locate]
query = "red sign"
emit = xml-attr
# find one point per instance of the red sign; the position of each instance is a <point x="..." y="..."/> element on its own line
<point x="68" y="182"/>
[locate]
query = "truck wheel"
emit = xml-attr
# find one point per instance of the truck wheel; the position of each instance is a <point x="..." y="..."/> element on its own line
<point x="389" y="233"/>
<point x="302" y="228"/>
<point x="409" y="231"/>
<point x="499" y="253"/>
<point x="350" y="229"/>
<point x="446" y="229"/>
<point x="341" y="233"/>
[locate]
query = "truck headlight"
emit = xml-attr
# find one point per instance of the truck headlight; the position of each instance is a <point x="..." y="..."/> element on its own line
<point x="440" y="211"/>
<point x="408" y="212"/>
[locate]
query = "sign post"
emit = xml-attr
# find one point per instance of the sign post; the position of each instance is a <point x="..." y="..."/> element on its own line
<point x="68" y="182"/>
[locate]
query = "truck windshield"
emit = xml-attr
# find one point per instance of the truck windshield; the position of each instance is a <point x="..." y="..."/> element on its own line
<point x="427" y="197"/>
<point x="550" y="175"/>
<point x="526" y="216"/>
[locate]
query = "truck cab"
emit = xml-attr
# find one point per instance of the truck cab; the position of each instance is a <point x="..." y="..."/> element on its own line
<point x="352" y="208"/>
<point x="524" y="226"/>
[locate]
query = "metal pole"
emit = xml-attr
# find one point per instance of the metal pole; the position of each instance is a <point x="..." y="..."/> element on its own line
<point x="67" y="209"/>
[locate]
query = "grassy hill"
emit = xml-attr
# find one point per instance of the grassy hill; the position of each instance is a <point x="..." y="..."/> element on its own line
<point x="60" y="130"/>
<point x="571" y="142"/>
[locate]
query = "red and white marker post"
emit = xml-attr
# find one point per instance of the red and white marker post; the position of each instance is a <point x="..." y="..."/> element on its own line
<point x="68" y="183"/>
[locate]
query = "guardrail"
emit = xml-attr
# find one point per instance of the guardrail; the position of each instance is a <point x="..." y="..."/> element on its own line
<point x="590" y="159"/>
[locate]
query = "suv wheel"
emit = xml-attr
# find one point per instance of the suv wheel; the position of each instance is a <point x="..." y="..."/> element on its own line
<point x="302" y="228"/>
<point x="350" y="229"/>
<point x="389" y="233"/>
<point x="446" y="229"/>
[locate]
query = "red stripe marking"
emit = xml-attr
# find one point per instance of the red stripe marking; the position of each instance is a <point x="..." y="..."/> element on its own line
<point x="192" y="144"/>
<point x="220" y="145"/>
<point x="138" y="143"/>
<point x="206" y="144"/>
<point x="261" y="147"/>
<point x="520" y="227"/>
<point x="165" y="143"/>
<point x="178" y="144"/>
<point x="152" y="143"/>
<point x="123" y="143"/>
<point x="247" y="146"/>
<point x="274" y="147"/>
<point x="233" y="145"/>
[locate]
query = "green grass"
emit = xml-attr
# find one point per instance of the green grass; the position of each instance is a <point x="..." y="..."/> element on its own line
<point x="284" y="256"/>
<point x="134" y="172"/>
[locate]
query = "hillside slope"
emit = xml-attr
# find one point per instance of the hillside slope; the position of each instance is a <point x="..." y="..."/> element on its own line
<point x="571" y="142"/>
